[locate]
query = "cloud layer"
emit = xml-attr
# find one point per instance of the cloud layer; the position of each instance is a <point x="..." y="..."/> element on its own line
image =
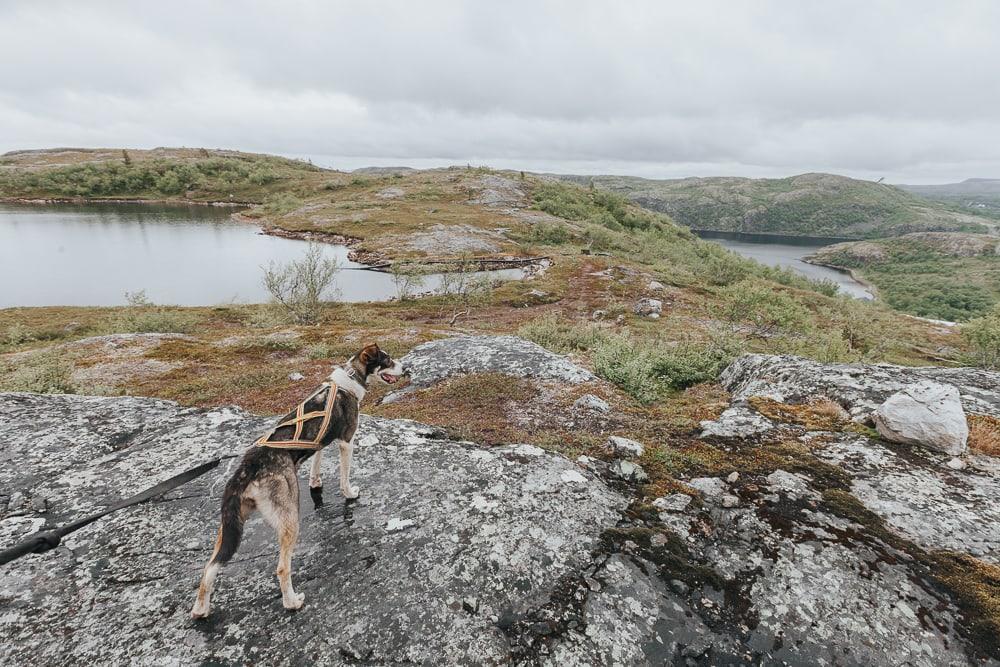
<point x="907" y="90"/>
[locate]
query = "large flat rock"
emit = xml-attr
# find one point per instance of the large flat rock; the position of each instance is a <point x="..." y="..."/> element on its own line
<point x="439" y="359"/>
<point x="447" y="540"/>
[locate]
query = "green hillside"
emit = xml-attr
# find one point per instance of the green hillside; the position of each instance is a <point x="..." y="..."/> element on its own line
<point x="940" y="275"/>
<point x="808" y="204"/>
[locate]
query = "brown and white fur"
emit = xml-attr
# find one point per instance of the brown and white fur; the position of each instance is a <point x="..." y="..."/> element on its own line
<point x="266" y="478"/>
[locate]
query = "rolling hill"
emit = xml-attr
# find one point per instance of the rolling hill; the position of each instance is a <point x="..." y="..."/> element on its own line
<point x="808" y="205"/>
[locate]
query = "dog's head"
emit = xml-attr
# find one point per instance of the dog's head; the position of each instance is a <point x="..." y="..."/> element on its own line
<point x="373" y="362"/>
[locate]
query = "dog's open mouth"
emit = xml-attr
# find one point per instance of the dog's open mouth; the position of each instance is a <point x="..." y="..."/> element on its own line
<point x="388" y="378"/>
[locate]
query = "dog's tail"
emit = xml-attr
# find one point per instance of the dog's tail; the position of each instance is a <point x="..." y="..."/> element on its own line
<point x="231" y="530"/>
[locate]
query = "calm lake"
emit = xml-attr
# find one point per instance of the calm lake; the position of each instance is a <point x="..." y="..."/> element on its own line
<point x="91" y="254"/>
<point x="787" y="251"/>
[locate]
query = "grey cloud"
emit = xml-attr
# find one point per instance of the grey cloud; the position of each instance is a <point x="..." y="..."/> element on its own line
<point x="906" y="89"/>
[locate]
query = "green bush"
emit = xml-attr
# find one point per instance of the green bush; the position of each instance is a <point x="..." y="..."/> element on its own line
<point x="319" y="351"/>
<point x="983" y="337"/>
<point x="547" y="233"/>
<point x="690" y="363"/>
<point x="646" y="370"/>
<point x="595" y="206"/>
<point x="762" y="311"/>
<point x="282" y="203"/>
<point x="631" y="367"/>
<point x="149" y="177"/>
<point x="16" y="334"/>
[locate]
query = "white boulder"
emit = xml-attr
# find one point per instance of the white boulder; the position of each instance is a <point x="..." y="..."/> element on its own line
<point x="927" y="413"/>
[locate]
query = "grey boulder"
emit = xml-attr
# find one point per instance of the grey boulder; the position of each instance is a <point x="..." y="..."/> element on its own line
<point x="928" y="414"/>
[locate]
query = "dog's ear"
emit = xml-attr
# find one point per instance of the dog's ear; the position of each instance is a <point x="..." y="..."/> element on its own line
<point x="369" y="354"/>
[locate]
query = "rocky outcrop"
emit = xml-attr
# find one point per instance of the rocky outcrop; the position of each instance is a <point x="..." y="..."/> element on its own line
<point x="777" y="580"/>
<point x="859" y="388"/>
<point x="920" y="497"/>
<point x="913" y="489"/>
<point x="439" y="359"/>
<point x="928" y="414"/>
<point x="448" y="550"/>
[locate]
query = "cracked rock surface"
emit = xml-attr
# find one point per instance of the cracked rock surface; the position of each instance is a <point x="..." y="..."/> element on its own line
<point x="775" y="581"/>
<point x="387" y="578"/>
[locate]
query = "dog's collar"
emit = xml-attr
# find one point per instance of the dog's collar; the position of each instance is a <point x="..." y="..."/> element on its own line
<point x="348" y="380"/>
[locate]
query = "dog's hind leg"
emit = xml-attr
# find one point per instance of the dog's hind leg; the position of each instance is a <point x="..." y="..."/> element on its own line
<point x="280" y="506"/>
<point x="346" y="455"/>
<point x="202" y="604"/>
<point x="315" y="474"/>
<point x="230" y="532"/>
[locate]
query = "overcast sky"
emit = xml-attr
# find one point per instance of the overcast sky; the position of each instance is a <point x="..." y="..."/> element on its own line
<point x="908" y="90"/>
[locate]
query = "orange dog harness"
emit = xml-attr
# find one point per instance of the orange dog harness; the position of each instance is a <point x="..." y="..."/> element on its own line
<point x="305" y="427"/>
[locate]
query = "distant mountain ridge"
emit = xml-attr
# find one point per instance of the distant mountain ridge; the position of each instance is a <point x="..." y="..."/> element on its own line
<point x="980" y="196"/>
<point x="813" y="204"/>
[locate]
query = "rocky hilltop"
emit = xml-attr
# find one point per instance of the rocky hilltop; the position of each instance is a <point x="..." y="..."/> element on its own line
<point x="875" y="552"/>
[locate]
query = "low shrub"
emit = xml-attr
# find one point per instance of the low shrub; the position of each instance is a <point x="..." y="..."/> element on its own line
<point x="547" y="233"/>
<point x="319" y="351"/>
<point x="561" y="335"/>
<point x="761" y="311"/>
<point x="300" y="286"/>
<point x="631" y="367"/>
<point x="143" y="316"/>
<point x="41" y="373"/>
<point x="282" y="203"/>
<point x="408" y="277"/>
<point x="646" y="370"/>
<point x="689" y="363"/>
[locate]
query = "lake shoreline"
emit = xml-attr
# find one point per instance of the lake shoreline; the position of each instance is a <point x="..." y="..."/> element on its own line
<point x="793" y="253"/>
<point x="855" y="276"/>
<point x="44" y="201"/>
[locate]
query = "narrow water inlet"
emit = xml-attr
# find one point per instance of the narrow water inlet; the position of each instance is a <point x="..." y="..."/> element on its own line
<point x="789" y="252"/>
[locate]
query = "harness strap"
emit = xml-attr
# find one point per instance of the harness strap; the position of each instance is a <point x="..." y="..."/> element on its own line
<point x="299" y="420"/>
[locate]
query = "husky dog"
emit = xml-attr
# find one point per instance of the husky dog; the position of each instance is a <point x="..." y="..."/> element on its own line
<point x="266" y="477"/>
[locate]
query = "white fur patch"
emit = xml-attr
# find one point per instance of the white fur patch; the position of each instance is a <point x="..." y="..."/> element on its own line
<point x="347" y="383"/>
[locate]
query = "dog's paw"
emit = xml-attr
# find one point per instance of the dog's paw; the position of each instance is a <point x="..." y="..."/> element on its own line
<point x="351" y="492"/>
<point x="294" y="601"/>
<point x="199" y="610"/>
<point x="315" y="483"/>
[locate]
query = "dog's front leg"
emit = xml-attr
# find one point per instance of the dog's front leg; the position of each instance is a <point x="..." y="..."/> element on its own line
<point x="315" y="475"/>
<point x="346" y="454"/>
